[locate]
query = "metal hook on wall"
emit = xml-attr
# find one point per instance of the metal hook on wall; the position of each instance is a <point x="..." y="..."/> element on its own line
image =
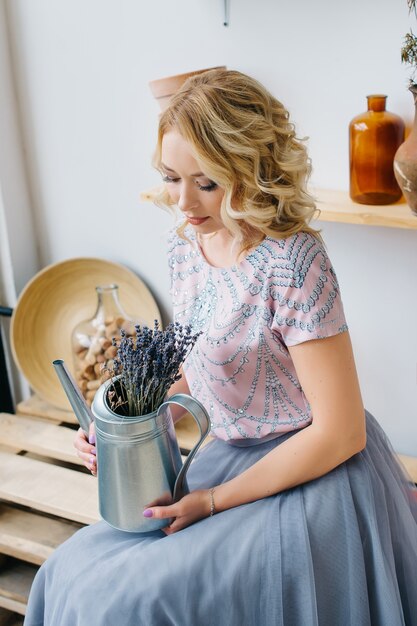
<point x="226" y="8"/>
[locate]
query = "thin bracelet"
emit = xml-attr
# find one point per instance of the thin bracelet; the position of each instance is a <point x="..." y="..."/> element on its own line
<point x="212" y="507"/>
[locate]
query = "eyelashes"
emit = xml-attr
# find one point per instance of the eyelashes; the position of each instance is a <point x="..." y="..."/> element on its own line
<point x="210" y="187"/>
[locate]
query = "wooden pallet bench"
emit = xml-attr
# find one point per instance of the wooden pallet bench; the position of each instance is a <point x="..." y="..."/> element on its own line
<point x="46" y="495"/>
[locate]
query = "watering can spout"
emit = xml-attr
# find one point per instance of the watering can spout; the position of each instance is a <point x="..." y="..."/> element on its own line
<point x="81" y="409"/>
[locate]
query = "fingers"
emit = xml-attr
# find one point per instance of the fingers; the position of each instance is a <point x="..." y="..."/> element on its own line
<point x="177" y="524"/>
<point x="168" y="512"/>
<point x="165" y="512"/>
<point x="92" y="434"/>
<point x="85" y="450"/>
<point x="178" y="512"/>
<point x="162" y="512"/>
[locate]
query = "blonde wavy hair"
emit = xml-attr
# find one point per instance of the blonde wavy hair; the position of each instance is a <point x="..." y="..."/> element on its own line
<point x="243" y="140"/>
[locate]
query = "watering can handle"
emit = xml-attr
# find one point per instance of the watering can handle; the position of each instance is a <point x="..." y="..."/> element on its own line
<point x="200" y="415"/>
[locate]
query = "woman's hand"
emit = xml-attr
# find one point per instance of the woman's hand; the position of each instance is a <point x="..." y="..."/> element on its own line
<point x="189" y="509"/>
<point x="86" y="448"/>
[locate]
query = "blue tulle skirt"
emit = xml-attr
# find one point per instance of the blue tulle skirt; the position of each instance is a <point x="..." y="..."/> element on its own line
<point x="337" y="551"/>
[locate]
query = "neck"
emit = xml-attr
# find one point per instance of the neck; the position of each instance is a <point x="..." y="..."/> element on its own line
<point x="219" y="248"/>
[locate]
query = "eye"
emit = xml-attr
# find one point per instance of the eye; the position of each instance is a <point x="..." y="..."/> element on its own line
<point x="210" y="187"/>
<point x="169" y="179"/>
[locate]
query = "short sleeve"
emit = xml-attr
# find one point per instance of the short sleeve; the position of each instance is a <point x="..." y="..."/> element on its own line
<point x="309" y="305"/>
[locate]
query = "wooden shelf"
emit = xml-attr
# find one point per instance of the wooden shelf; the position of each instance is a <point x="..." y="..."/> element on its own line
<point x="336" y="206"/>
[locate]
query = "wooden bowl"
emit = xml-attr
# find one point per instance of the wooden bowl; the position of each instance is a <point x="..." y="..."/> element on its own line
<point x="164" y="88"/>
<point x="54" y="302"/>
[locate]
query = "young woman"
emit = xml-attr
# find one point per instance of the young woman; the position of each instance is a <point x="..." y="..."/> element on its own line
<point x="298" y="513"/>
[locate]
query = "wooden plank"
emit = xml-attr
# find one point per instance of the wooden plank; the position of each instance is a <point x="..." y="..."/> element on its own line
<point x="36" y="407"/>
<point x="39" y="437"/>
<point x="186" y="428"/>
<point x="49" y="488"/>
<point x="15" y="582"/>
<point x="32" y="537"/>
<point x="336" y="206"/>
<point x="410" y="464"/>
<point x="13" y="605"/>
<point x="60" y="444"/>
<point x="9" y="449"/>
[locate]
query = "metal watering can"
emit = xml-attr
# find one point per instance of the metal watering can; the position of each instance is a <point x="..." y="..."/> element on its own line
<point x="138" y="459"/>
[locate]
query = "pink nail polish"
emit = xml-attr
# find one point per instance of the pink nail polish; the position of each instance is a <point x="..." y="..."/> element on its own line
<point x="147" y="513"/>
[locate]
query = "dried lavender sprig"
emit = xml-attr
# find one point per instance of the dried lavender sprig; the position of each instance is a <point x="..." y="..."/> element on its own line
<point x="149" y="365"/>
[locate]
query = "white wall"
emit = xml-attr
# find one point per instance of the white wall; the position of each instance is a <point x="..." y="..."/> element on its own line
<point x="18" y="246"/>
<point x="90" y="121"/>
<point x="15" y="198"/>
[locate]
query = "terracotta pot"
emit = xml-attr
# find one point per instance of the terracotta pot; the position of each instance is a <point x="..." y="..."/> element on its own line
<point x="164" y="88"/>
<point x="405" y="162"/>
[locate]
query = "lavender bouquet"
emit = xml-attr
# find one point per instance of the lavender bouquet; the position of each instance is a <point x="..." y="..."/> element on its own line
<point x="146" y="366"/>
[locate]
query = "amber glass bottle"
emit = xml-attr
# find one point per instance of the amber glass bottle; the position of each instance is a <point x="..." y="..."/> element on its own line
<point x="374" y="137"/>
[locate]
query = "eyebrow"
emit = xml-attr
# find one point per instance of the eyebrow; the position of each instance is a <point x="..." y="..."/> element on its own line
<point x="168" y="169"/>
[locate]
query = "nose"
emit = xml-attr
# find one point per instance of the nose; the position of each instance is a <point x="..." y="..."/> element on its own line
<point x="187" y="196"/>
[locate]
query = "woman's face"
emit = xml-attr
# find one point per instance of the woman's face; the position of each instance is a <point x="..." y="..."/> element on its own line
<point x="198" y="197"/>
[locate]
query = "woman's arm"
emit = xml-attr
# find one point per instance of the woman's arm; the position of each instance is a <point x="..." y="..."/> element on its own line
<point x="327" y="374"/>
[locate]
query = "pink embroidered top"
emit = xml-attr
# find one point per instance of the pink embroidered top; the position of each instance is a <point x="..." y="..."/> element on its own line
<point x="283" y="293"/>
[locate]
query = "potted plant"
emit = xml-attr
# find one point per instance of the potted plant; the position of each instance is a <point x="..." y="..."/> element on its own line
<point x="138" y="457"/>
<point x="405" y="160"/>
<point x="409" y="48"/>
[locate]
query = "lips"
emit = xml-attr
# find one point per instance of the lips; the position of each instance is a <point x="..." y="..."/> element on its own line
<point x="196" y="221"/>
